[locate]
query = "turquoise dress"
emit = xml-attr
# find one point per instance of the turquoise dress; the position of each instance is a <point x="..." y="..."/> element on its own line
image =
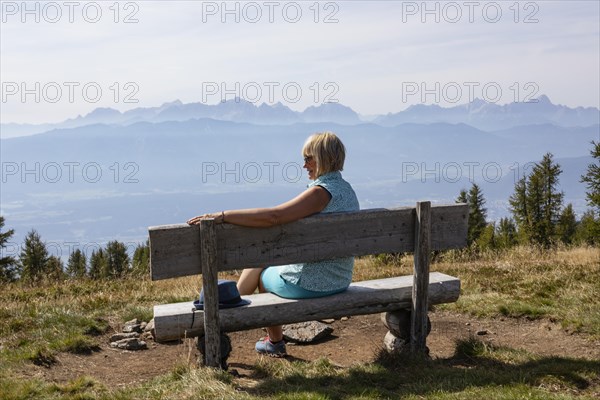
<point x="330" y="275"/>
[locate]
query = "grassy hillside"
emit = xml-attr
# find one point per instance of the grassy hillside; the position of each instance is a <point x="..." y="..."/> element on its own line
<point x="39" y="323"/>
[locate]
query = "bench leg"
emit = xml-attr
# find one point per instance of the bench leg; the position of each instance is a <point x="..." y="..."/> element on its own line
<point x="398" y="338"/>
<point x="225" y="350"/>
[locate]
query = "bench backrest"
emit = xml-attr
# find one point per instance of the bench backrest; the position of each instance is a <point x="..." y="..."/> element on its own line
<point x="175" y="250"/>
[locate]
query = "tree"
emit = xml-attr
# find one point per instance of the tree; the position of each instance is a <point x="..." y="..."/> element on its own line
<point x="477" y="212"/>
<point x="34" y="257"/>
<point x="536" y="203"/>
<point x="8" y="264"/>
<point x="487" y="238"/>
<point x="77" y="264"/>
<point x="54" y="269"/>
<point x="97" y="264"/>
<point x="592" y="179"/>
<point x="141" y="259"/>
<point x="117" y="260"/>
<point x="586" y="229"/>
<point x="520" y="211"/>
<point x="567" y="225"/>
<point x="506" y="233"/>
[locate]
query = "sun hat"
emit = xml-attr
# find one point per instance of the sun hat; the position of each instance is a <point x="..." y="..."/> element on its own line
<point x="229" y="296"/>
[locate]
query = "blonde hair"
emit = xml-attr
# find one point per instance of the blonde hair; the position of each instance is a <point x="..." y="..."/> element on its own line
<point x="327" y="150"/>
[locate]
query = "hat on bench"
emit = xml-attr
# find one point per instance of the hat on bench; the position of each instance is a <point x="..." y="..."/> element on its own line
<point x="229" y="296"/>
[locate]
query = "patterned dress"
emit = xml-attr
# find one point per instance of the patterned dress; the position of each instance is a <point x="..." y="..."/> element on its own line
<point x="330" y="275"/>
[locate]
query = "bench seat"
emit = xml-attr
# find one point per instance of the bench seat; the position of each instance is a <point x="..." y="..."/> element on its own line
<point x="178" y="320"/>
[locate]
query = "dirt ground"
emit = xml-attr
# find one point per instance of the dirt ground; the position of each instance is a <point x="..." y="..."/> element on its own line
<point x="355" y="340"/>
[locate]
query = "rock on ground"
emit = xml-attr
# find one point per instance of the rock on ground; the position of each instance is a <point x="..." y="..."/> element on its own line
<point x="306" y="332"/>
<point x="129" y="344"/>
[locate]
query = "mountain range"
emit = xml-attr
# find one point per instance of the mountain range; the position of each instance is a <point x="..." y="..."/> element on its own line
<point x="478" y="113"/>
<point x="110" y="174"/>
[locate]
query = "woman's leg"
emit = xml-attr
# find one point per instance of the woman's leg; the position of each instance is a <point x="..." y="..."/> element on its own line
<point x="275" y="332"/>
<point x="249" y="281"/>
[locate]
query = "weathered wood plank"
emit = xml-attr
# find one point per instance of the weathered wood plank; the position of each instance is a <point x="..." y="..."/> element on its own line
<point x="173" y="248"/>
<point x="208" y="248"/>
<point x="174" y="321"/>
<point x="418" y="316"/>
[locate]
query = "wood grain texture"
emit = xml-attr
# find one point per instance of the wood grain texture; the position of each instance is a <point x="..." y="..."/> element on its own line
<point x="208" y="247"/>
<point x="174" y="321"/>
<point x="418" y="321"/>
<point x="173" y="248"/>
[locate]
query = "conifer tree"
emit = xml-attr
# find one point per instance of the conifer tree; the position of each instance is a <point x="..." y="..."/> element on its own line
<point x="592" y="181"/>
<point x="97" y="264"/>
<point x="34" y="258"/>
<point x="536" y="203"/>
<point x="77" y="264"/>
<point x="8" y="264"/>
<point x="54" y="269"/>
<point x="567" y="225"/>
<point x="506" y="233"/>
<point x="117" y="260"/>
<point x="141" y="259"/>
<point x="477" y="212"/>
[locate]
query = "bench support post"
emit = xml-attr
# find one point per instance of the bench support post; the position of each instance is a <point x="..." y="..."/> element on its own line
<point x="208" y="249"/>
<point x="418" y="329"/>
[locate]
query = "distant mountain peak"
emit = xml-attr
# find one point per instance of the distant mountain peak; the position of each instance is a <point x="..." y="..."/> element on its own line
<point x="543" y="99"/>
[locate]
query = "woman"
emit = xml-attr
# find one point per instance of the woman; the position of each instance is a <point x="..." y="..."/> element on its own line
<point x="324" y="156"/>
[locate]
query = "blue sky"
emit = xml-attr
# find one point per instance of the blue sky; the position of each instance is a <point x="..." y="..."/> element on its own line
<point x="374" y="56"/>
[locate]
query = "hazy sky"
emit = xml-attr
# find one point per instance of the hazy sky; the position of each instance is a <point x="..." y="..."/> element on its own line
<point x="60" y="59"/>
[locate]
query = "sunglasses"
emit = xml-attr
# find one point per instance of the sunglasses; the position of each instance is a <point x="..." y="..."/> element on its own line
<point x="308" y="159"/>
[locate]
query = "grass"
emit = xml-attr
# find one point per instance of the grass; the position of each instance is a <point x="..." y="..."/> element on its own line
<point x="37" y="323"/>
<point x="559" y="285"/>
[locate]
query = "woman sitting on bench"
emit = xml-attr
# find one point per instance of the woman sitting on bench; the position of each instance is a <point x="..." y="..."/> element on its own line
<point x="324" y="155"/>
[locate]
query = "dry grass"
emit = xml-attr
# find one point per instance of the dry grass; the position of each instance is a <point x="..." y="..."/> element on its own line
<point x="38" y="322"/>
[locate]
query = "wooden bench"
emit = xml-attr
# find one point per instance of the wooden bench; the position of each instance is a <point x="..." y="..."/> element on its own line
<point x="181" y="250"/>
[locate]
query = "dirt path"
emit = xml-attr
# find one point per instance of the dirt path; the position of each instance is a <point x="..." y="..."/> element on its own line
<point x="355" y="340"/>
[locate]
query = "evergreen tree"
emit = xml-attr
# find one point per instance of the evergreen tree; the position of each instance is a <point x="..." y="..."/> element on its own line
<point x="34" y="258"/>
<point x="8" y="264"/>
<point x="519" y="209"/>
<point x="117" y="260"/>
<point x="592" y="179"/>
<point x="487" y="238"/>
<point x="477" y="211"/>
<point x="506" y="233"/>
<point x="586" y="229"/>
<point x="77" y="264"/>
<point x="97" y="264"/>
<point x="54" y="269"/>
<point x="536" y="203"/>
<point x="141" y="259"/>
<point x="462" y="197"/>
<point x="567" y="225"/>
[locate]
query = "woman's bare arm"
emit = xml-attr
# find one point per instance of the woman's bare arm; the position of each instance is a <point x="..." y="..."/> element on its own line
<point x="309" y="202"/>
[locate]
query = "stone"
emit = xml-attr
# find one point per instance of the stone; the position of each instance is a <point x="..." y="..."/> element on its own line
<point x="150" y="326"/>
<point x="344" y="318"/>
<point x="306" y="332"/>
<point x="482" y="332"/>
<point x="132" y="326"/>
<point x="143" y="325"/>
<point x="398" y="322"/>
<point x="394" y="344"/>
<point x="120" y="336"/>
<point x="129" y="344"/>
<point x="328" y="321"/>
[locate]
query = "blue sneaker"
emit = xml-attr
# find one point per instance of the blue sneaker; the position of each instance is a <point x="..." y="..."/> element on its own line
<point x="265" y="346"/>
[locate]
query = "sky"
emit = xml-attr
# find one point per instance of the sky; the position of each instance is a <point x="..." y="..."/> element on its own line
<point x="62" y="59"/>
